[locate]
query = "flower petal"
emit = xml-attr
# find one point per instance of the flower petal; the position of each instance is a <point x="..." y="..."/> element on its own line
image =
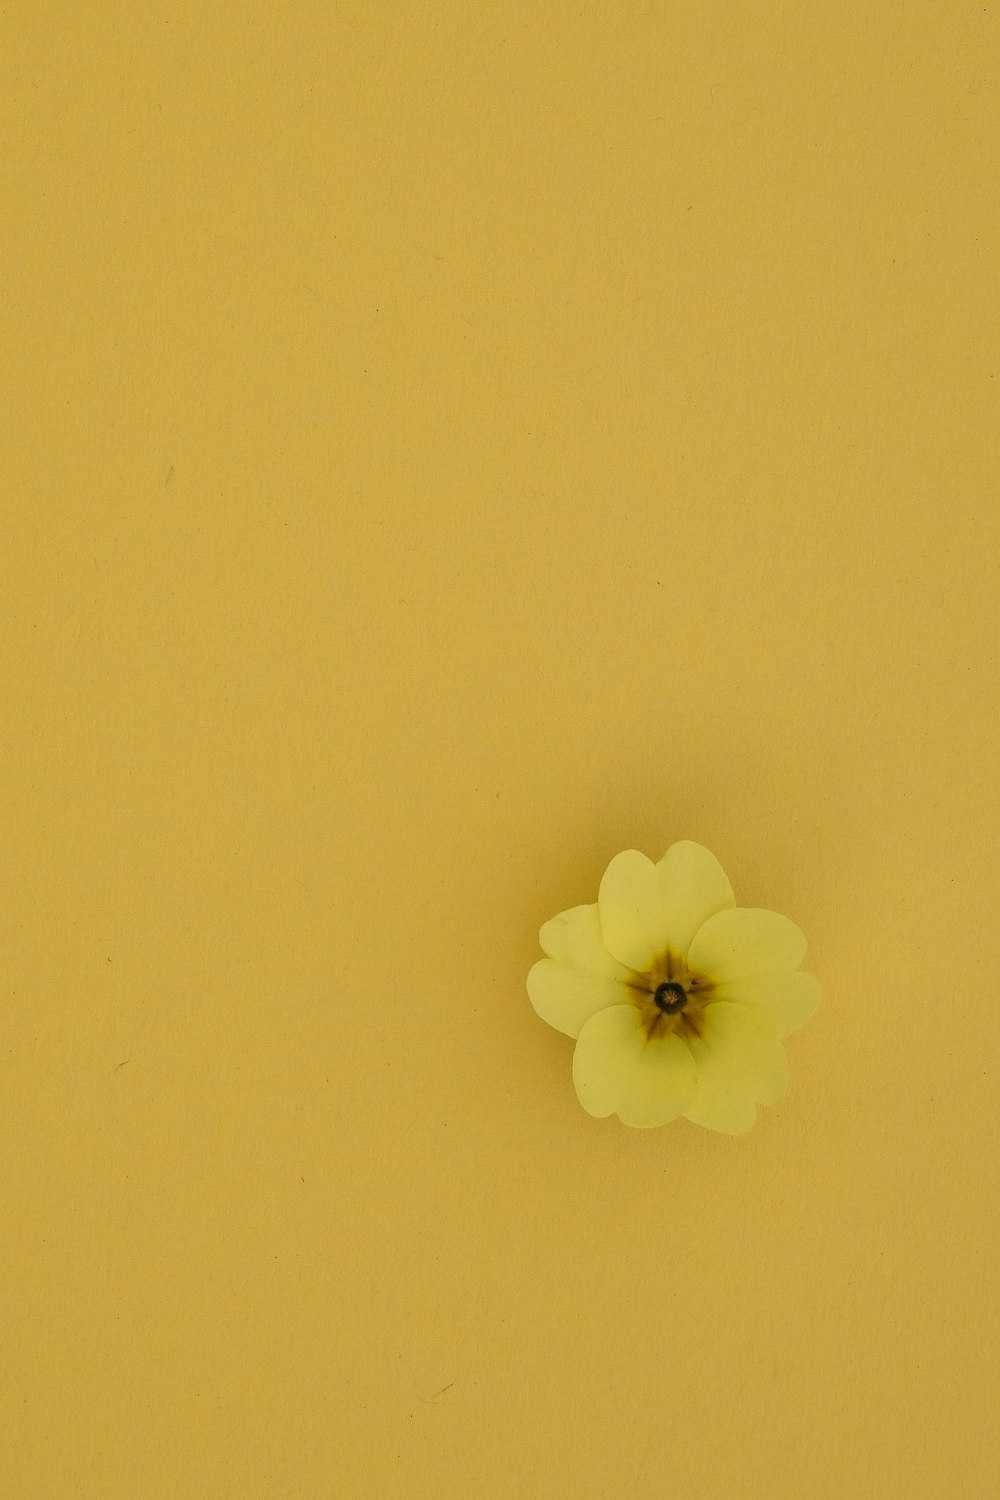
<point x="693" y="886"/>
<point x="574" y="938"/>
<point x="617" y="1069"/>
<point x="646" y="909"/>
<point x="745" y="941"/>
<point x="566" y="997"/>
<point x="631" y="909"/>
<point x="741" y="1063"/>
<point x="786" y="1000"/>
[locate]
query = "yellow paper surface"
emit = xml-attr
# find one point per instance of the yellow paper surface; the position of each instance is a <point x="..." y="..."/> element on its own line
<point x="445" y="445"/>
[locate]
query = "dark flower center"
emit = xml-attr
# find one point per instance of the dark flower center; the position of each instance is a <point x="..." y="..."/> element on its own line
<point x="670" y="997"/>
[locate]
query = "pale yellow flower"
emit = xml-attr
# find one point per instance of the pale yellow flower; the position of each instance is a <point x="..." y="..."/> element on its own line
<point x="678" y="998"/>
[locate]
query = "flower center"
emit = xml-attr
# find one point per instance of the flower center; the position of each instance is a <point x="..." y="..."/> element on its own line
<point x="670" y="997"/>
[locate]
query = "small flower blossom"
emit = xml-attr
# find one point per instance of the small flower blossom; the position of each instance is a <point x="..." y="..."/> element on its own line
<point x="678" y="998"/>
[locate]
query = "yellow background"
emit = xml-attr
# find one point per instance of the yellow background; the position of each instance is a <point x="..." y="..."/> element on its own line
<point x="445" y="445"/>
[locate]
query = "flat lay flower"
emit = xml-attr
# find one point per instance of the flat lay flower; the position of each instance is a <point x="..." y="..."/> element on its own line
<point x="679" y="1000"/>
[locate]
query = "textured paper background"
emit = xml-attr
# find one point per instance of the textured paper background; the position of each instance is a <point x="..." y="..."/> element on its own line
<point x="445" y="445"/>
